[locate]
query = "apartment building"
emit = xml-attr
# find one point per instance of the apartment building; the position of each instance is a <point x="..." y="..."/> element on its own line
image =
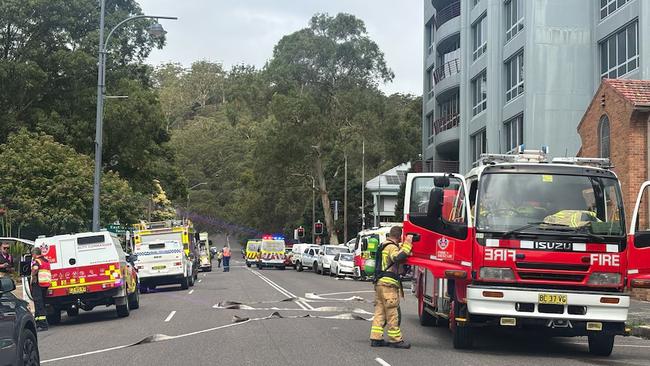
<point x="499" y="73"/>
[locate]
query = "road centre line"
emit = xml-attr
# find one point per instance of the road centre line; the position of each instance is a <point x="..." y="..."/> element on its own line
<point x="170" y="316"/>
<point x="282" y="290"/>
<point x="382" y="362"/>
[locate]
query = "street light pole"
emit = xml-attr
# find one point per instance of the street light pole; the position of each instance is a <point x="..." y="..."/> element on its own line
<point x="313" y="209"/>
<point x="188" y="195"/>
<point x="156" y="30"/>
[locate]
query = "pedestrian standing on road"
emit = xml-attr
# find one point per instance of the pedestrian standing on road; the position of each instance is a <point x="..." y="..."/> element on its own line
<point x="6" y="261"/>
<point x="219" y="258"/>
<point x="226" y="258"/>
<point x="388" y="288"/>
<point x="40" y="281"/>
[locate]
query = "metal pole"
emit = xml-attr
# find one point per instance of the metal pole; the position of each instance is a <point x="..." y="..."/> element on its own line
<point x="345" y="200"/>
<point x="363" y="184"/>
<point x="313" y="210"/>
<point x="99" y="118"/>
<point x="378" y="205"/>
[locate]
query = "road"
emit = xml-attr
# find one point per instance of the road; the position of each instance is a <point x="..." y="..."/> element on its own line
<point x="188" y="327"/>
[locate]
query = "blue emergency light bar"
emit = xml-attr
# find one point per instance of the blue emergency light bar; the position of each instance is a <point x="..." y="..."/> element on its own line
<point x="273" y="237"/>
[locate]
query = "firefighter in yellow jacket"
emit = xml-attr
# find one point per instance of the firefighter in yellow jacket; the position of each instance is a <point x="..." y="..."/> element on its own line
<point x="388" y="288"/>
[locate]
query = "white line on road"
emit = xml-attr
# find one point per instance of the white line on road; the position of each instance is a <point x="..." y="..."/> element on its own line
<point x="282" y="290"/>
<point x="382" y="362"/>
<point x="200" y="281"/>
<point x="170" y="316"/>
<point x="191" y="291"/>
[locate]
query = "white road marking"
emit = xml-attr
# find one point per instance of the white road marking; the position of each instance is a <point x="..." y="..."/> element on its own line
<point x="191" y="291"/>
<point x="200" y="281"/>
<point x="170" y="316"/>
<point x="382" y="362"/>
<point x="282" y="290"/>
<point x="205" y="274"/>
<point x="345" y="292"/>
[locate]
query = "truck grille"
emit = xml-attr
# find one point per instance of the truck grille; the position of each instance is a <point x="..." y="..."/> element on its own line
<point x="554" y="266"/>
<point x="551" y="276"/>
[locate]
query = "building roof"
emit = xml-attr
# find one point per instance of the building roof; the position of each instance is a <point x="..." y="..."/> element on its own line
<point x="636" y="92"/>
<point x="390" y="180"/>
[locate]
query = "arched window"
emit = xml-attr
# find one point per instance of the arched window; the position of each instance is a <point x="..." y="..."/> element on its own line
<point x="603" y="137"/>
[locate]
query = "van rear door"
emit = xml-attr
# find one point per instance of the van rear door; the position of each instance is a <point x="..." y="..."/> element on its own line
<point x="160" y="258"/>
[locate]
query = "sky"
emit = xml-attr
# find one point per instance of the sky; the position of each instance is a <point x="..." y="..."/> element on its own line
<point x="245" y="31"/>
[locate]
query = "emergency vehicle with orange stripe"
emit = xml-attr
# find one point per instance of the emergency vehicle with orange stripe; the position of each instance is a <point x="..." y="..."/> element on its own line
<point x="528" y="243"/>
<point x="88" y="270"/>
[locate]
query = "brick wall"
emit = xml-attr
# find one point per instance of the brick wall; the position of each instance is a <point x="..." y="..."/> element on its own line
<point x="628" y="143"/>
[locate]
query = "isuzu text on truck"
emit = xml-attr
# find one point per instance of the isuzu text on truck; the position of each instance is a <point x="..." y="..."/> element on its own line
<point x="524" y="243"/>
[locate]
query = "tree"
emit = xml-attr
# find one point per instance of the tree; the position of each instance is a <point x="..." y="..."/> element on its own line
<point x="318" y="74"/>
<point x="46" y="187"/>
<point x="162" y="206"/>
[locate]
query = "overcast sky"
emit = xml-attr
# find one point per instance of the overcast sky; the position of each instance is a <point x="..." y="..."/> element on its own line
<point x="245" y="31"/>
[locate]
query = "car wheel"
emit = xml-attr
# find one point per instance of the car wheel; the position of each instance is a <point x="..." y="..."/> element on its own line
<point x="315" y="267"/>
<point x="134" y="299"/>
<point x="72" y="312"/>
<point x="601" y="344"/>
<point x="300" y="269"/>
<point x="248" y="264"/>
<point x="123" y="310"/>
<point x="28" y="349"/>
<point x="54" y="317"/>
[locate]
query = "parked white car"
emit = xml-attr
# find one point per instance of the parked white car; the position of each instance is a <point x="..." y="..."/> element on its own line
<point x="342" y="264"/>
<point x="308" y="258"/>
<point x="326" y="256"/>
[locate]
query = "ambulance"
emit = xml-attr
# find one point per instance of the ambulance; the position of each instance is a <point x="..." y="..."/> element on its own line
<point x="181" y="231"/>
<point x="252" y="251"/>
<point x="163" y="262"/>
<point x="205" y="259"/>
<point x="272" y="252"/>
<point x="88" y="270"/>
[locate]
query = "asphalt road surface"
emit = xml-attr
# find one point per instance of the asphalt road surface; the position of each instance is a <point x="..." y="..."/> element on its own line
<point x="192" y="327"/>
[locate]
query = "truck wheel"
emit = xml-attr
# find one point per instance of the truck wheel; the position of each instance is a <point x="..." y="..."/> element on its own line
<point x="463" y="335"/>
<point x="248" y="264"/>
<point x="134" y="299"/>
<point x="28" y="348"/>
<point x="72" y="312"/>
<point x="601" y="344"/>
<point x="122" y="310"/>
<point x="54" y="317"/>
<point x="185" y="283"/>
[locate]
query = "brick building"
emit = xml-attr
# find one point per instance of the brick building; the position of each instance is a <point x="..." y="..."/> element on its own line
<point x="615" y="126"/>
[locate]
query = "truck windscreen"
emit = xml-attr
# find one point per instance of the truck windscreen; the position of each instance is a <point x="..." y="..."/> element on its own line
<point x="541" y="202"/>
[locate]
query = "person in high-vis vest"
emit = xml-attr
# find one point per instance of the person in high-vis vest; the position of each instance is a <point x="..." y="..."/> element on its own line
<point x="226" y="258"/>
<point x="388" y="288"/>
<point x="41" y="280"/>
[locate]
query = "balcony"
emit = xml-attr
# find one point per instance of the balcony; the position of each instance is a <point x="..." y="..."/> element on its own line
<point x="447" y="69"/>
<point x="447" y="13"/>
<point x="445" y="123"/>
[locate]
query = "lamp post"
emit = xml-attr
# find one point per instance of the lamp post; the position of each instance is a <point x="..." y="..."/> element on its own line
<point x="156" y="30"/>
<point x="188" y="194"/>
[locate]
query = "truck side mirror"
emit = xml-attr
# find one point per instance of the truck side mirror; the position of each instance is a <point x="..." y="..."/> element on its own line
<point x="434" y="208"/>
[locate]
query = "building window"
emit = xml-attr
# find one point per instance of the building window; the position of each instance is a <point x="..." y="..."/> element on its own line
<point x="429" y="126"/>
<point x="609" y="6"/>
<point x="479" y="34"/>
<point x="514" y="76"/>
<point x="430" y="33"/>
<point x="479" y="93"/>
<point x="450" y="107"/>
<point x="603" y="137"/>
<point x="430" y="83"/>
<point x="479" y="144"/>
<point x="514" y="18"/>
<point x="619" y="53"/>
<point x="514" y="129"/>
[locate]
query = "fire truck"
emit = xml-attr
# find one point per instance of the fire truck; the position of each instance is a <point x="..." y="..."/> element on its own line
<point x="181" y="231"/>
<point x="527" y="243"/>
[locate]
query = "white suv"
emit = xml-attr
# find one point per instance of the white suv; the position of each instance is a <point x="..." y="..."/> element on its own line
<point x="326" y="256"/>
<point x="309" y="258"/>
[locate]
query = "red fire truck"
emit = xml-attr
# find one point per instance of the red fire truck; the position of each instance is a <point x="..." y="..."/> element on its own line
<point x="526" y="243"/>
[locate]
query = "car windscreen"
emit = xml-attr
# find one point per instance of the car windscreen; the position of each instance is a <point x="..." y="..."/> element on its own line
<point x="345" y="257"/>
<point x="335" y="250"/>
<point x="253" y="246"/>
<point x="550" y="202"/>
<point x="273" y="245"/>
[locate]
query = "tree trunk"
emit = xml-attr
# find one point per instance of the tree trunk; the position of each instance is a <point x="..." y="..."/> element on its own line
<point x="325" y="199"/>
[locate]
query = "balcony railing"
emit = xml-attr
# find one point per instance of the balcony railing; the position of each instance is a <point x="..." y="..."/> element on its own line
<point x="447" y="13"/>
<point x="445" y="123"/>
<point x="445" y="70"/>
<point x="446" y="166"/>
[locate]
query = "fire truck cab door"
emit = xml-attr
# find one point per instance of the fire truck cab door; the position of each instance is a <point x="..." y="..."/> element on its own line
<point x="436" y="213"/>
<point x="639" y="237"/>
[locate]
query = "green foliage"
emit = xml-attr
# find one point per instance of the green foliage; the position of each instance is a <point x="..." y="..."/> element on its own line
<point x="47" y="187"/>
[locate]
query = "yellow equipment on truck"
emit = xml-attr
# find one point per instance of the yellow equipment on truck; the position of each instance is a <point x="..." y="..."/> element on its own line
<point x="205" y="259"/>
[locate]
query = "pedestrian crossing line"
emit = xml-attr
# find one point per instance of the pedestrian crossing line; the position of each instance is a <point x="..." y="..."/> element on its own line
<point x="170" y="316"/>
<point x="382" y="362"/>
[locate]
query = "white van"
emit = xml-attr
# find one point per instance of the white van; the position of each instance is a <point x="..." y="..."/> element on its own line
<point x="88" y="270"/>
<point x="296" y="253"/>
<point x="272" y="253"/>
<point x="163" y="262"/>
